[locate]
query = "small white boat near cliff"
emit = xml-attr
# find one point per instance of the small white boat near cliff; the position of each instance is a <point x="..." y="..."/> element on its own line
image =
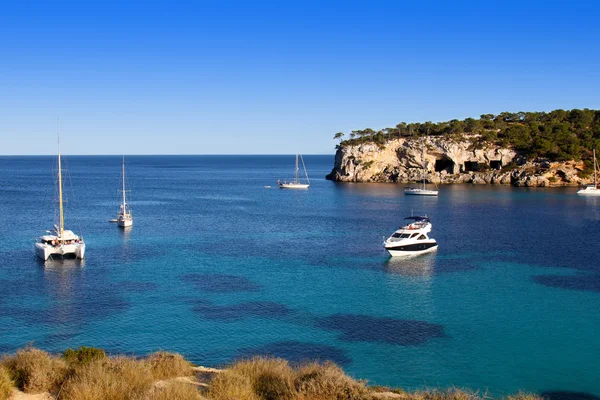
<point x="591" y="190"/>
<point x="63" y="243"/>
<point x="422" y="191"/>
<point x="412" y="238"/>
<point x="296" y="183"/>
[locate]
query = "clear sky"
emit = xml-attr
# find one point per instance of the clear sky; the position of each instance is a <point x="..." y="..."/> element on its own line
<point x="274" y="77"/>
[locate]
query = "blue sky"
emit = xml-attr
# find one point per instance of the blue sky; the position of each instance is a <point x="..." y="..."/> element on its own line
<point x="274" y="77"/>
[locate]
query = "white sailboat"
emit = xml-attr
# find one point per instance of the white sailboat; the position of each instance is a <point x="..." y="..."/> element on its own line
<point x="124" y="217"/>
<point x="63" y="242"/>
<point x="421" y="191"/>
<point x="591" y="190"/>
<point x="296" y="183"/>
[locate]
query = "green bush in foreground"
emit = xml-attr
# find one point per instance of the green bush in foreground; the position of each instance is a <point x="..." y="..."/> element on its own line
<point x="83" y="355"/>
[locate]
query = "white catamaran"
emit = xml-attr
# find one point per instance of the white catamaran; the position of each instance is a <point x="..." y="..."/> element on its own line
<point x="421" y="191"/>
<point x="591" y="190"/>
<point x="296" y="183"/>
<point x="63" y="242"/>
<point x="124" y="217"/>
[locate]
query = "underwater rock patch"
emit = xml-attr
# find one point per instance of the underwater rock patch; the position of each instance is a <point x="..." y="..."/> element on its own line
<point x="364" y="328"/>
<point x="221" y="283"/>
<point x="261" y="309"/>
<point x="566" y="395"/>
<point x="587" y="283"/>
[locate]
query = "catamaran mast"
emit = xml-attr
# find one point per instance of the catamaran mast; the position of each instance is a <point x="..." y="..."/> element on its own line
<point x="123" y="171"/>
<point x="60" y="190"/>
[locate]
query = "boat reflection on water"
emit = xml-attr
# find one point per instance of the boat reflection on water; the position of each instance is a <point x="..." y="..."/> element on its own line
<point x="418" y="265"/>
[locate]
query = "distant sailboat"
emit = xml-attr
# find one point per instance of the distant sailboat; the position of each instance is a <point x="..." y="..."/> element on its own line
<point x="63" y="242"/>
<point x="124" y="217"/>
<point x="296" y="183"/>
<point x="591" y="190"/>
<point x="422" y="191"/>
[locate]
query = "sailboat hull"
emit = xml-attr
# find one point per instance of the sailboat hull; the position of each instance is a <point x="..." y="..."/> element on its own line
<point x="589" y="192"/>
<point x="420" y="192"/>
<point x="293" y="185"/>
<point x="125" y="222"/>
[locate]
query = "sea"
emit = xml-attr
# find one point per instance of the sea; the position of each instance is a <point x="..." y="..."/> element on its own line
<point x="220" y="265"/>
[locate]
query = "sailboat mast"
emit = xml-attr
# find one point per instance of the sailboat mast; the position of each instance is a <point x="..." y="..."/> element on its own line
<point x="595" y="171"/>
<point x="423" y="161"/>
<point x="123" y="173"/>
<point x="296" y="167"/>
<point x="60" y="189"/>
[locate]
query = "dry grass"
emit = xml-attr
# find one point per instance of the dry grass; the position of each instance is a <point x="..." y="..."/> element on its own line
<point x="328" y="382"/>
<point x="118" y="378"/>
<point x="228" y="386"/>
<point x="5" y="383"/>
<point x="168" y="365"/>
<point x="524" y="396"/>
<point x="174" y="391"/>
<point x="91" y="375"/>
<point x="35" y="371"/>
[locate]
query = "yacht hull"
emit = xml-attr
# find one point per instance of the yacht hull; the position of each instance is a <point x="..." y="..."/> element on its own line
<point x="411" y="249"/>
<point x="45" y="251"/>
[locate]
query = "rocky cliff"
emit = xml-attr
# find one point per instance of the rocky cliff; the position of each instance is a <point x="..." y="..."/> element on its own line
<point x="448" y="160"/>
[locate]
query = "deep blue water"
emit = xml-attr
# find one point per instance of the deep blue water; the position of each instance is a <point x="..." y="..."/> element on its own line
<point x="218" y="267"/>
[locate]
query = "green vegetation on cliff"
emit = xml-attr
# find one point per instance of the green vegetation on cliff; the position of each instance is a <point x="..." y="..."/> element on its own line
<point x="558" y="135"/>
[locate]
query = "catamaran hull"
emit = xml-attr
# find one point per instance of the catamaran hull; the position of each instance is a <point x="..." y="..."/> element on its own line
<point x="293" y="186"/>
<point x="45" y="251"/>
<point x="411" y="249"/>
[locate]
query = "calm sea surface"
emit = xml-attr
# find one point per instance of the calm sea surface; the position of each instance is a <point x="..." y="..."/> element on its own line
<point x="219" y="267"/>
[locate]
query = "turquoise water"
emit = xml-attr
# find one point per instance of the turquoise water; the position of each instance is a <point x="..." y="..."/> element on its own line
<point x="219" y="267"/>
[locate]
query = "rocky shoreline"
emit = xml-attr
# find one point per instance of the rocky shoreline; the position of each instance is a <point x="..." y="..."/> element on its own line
<point x="449" y="160"/>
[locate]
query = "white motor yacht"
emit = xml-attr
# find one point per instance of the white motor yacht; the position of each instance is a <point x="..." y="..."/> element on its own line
<point x="63" y="243"/>
<point x="412" y="238"/>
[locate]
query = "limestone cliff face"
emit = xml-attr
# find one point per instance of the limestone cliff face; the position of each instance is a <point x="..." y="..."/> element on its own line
<point x="447" y="160"/>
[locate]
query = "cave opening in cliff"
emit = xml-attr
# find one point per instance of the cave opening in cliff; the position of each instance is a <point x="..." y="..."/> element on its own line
<point x="444" y="164"/>
<point x="496" y="164"/>
<point x="471" y="166"/>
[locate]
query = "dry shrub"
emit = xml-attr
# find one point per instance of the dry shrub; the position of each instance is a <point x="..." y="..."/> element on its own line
<point x="524" y="396"/>
<point x="5" y="384"/>
<point x="328" y="382"/>
<point x="174" y="391"/>
<point x="449" y="394"/>
<point x="231" y="386"/>
<point x="35" y="371"/>
<point x="271" y="378"/>
<point x="166" y="365"/>
<point x="118" y="378"/>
